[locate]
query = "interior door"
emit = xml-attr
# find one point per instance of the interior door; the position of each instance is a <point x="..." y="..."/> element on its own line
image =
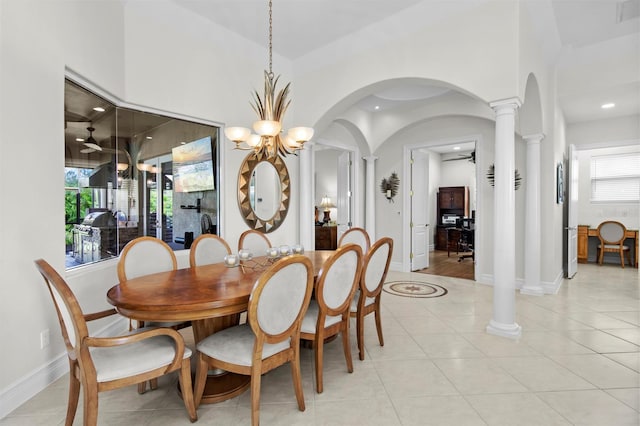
<point x="419" y="210"/>
<point x="344" y="193"/>
<point x="159" y="198"/>
<point x="572" y="206"/>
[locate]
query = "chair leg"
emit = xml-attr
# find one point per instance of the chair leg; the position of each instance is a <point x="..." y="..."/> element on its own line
<point x="74" y="395"/>
<point x="318" y="349"/>
<point x="600" y="256"/>
<point x="360" y="333"/>
<point x="187" y="392"/>
<point x="153" y="384"/>
<point x="90" y="408"/>
<point x="621" y="258"/>
<point x="346" y="344"/>
<point x="297" y="377"/>
<point x="202" y="368"/>
<point x="379" y="323"/>
<point x="142" y="387"/>
<point x="256" y="377"/>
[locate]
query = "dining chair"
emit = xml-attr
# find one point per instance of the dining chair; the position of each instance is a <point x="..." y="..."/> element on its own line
<point x="358" y="236"/>
<point x="367" y="298"/>
<point x="328" y="313"/>
<point x="207" y="249"/>
<point x="277" y="304"/>
<point x="144" y="256"/>
<point x="255" y="241"/>
<point x="100" y="364"/>
<point x="612" y="235"/>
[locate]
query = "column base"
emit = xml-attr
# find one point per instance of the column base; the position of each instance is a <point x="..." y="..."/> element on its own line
<point x="532" y="290"/>
<point x="510" y="331"/>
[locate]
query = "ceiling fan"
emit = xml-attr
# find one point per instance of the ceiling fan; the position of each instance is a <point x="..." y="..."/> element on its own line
<point x="91" y="144"/>
<point x="470" y="156"/>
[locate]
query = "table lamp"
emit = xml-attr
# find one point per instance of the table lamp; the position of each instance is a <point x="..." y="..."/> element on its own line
<point x="326" y="204"/>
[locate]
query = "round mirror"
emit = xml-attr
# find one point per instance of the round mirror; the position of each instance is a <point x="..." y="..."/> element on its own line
<point x="263" y="192"/>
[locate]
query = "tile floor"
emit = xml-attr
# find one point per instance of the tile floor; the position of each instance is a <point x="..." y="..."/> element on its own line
<point x="577" y="363"/>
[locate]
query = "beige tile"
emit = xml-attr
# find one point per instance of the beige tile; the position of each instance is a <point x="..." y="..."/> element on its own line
<point x="591" y="407"/>
<point x="542" y="374"/>
<point x="631" y="360"/>
<point x="495" y="346"/>
<point x="601" y="342"/>
<point x="436" y="411"/>
<point x="420" y="325"/>
<point x="632" y="317"/>
<point x="550" y="343"/>
<point x="414" y="377"/>
<point x="478" y="376"/>
<point x="631" y="335"/>
<point x="599" y="370"/>
<point x="395" y="347"/>
<point x="447" y="345"/>
<point x="630" y="396"/>
<point x="515" y="409"/>
<point x="598" y="320"/>
<point x="375" y="411"/>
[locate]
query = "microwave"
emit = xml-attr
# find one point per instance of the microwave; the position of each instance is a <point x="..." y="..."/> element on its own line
<point x="449" y="219"/>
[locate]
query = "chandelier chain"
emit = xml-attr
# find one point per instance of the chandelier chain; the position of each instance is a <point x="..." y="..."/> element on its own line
<point x="270" y="42"/>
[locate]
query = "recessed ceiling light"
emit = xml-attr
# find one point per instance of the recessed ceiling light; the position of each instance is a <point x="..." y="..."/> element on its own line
<point x="377" y="107"/>
<point x="183" y="143"/>
<point x="99" y="109"/>
<point x="607" y="106"/>
<point x="456" y="148"/>
<point x="79" y="140"/>
<point x="149" y="137"/>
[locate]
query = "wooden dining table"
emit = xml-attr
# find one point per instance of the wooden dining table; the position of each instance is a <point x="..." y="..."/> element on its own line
<point x="212" y="297"/>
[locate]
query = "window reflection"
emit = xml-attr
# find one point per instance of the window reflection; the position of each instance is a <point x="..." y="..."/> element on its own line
<point x="119" y="177"/>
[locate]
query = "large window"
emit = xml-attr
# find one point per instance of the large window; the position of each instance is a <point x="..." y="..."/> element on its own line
<point x="119" y="176"/>
<point x="615" y="178"/>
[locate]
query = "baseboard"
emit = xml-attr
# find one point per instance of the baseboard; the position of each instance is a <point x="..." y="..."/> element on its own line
<point x="26" y="388"/>
<point x="554" y="286"/>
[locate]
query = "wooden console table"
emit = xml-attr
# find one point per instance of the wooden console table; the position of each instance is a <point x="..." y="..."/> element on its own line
<point x="584" y="232"/>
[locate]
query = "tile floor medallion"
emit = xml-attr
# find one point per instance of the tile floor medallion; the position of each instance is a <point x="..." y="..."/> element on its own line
<point x="414" y="289"/>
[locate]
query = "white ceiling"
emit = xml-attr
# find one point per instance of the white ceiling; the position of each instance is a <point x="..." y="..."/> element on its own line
<point x="599" y="60"/>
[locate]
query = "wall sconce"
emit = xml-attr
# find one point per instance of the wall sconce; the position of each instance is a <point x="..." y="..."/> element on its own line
<point x="389" y="186"/>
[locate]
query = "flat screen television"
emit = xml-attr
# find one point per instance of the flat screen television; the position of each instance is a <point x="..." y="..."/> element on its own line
<point x="193" y="166"/>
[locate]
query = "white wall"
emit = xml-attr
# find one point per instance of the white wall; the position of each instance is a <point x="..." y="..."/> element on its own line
<point x="157" y="55"/>
<point x="593" y="214"/>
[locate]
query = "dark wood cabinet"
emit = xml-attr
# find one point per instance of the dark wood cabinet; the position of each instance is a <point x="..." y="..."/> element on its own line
<point x="441" y="237"/>
<point x="452" y="200"/>
<point x="326" y="237"/>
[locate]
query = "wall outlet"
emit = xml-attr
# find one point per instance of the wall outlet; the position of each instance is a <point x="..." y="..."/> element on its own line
<point x="44" y="338"/>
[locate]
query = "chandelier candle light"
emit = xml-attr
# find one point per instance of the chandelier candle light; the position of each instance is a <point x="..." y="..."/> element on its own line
<point x="270" y="139"/>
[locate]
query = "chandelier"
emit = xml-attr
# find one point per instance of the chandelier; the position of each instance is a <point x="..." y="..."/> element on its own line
<point x="269" y="138"/>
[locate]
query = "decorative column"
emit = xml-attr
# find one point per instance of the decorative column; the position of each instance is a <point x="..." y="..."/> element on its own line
<point x="307" y="238"/>
<point x="370" y="197"/>
<point x="504" y="229"/>
<point x="532" y="218"/>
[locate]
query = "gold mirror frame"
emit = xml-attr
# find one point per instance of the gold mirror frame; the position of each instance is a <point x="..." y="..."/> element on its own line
<point x="244" y="180"/>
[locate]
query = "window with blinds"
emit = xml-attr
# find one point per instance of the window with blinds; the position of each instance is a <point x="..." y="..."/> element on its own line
<point x="615" y="178"/>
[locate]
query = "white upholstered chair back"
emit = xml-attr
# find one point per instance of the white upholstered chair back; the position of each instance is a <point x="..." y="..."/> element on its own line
<point x="281" y="300"/>
<point x="65" y="302"/>
<point x="356" y="236"/>
<point x="254" y="241"/>
<point x="376" y="266"/>
<point x="208" y="249"/>
<point x="612" y="232"/>
<point x="339" y="279"/>
<point x="144" y="256"/>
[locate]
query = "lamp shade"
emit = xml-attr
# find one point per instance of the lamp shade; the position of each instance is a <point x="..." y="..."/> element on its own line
<point x="237" y="134"/>
<point x="326" y="203"/>
<point x="254" y="140"/>
<point x="301" y="134"/>
<point x="267" y="127"/>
